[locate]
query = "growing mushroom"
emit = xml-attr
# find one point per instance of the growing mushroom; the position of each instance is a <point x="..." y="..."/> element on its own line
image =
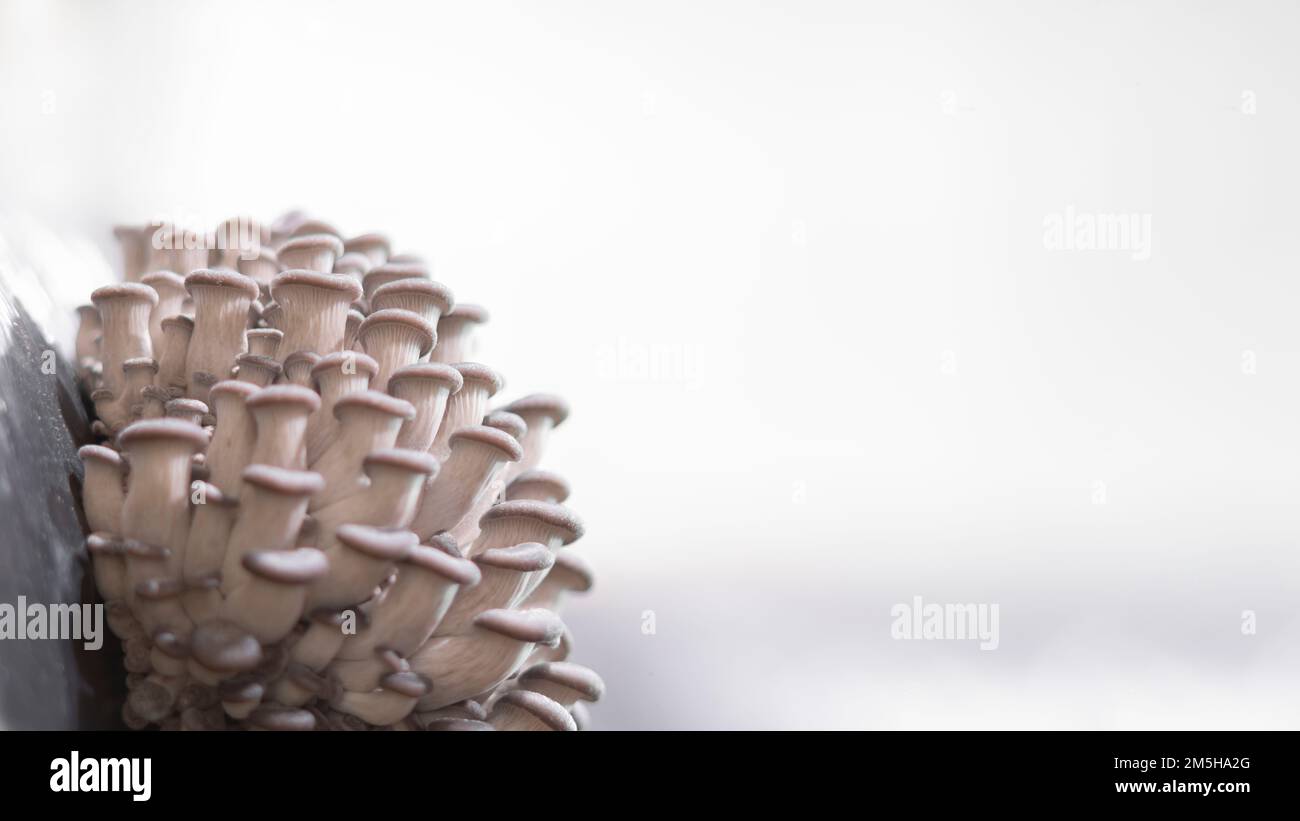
<point x="542" y="412"/>
<point x="103" y="493"/>
<point x="264" y="341"/>
<point x="507" y="576"/>
<point x="425" y="297"/>
<point x="395" y="338"/>
<point x="272" y="505"/>
<point x="456" y="332"/>
<point x="261" y="268"/>
<point x="270" y="601"/>
<point x="374" y="247"/>
<point x="540" y="485"/>
<point x="313" y="309"/>
<point x="170" y="288"/>
<point x="476" y="455"/>
<point x="367" y="421"/>
<point x="280" y="413"/>
<point x="529" y="710"/>
<point x="221" y="300"/>
<point x="360" y="557"/>
<point x="310" y="252"/>
<point x="335" y="376"/>
<point x="380" y="275"/>
<point x="427" y="386"/>
<point x="468" y="405"/>
<point x="177" y="331"/>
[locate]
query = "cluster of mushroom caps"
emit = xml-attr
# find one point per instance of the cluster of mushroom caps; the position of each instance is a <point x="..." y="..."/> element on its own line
<point x="304" y="513"/>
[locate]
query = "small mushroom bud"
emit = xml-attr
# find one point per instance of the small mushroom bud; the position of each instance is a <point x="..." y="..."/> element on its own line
<point x="467" y="406"/>
<point x="221" y="300"/>
<point x="527" y="710"/>
<point x="264" y="341"/>
<point x="313" y="309"/>
<point x="310" y="252"/>
<point x="456" y="332"/>
<point x="394" y="338"/>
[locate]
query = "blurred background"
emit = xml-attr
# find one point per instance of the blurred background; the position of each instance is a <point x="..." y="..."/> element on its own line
<point x="791" y="263"/>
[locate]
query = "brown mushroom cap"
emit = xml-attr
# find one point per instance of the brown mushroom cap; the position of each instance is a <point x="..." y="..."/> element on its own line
<point x="553" y="483"/>
<point x="254" y="360"/>
<point x="544" y="403"/>
<point x="435" y="291"/>
<point x="535" y="626"/>
<point x="297" y="566"/>
<point x="282" y="719"/>
<point x="529" y="557"/>
<point x="127" y="291"/>
<point x="234" y="387"/>
<point x="163" y="429"/>
<point x="432" y="371"/>
<point x="181" y="405"/>
<point x="390" y="545"/>
<point x="285" y="395"/>
<point x="403" y="458"/>
<point x="343" y="283"/>
<point x="491" y="437"/>
<point x="222" y="278"/>
<point x="224" y="647"/>
<point x="447" y="544"/>
<point x="100" y="453"/>
<point x="326" y="239"/>
<point x="555" y="515"/>
<point x="475" y="372"/>
<point x="567" y="674"/>
<point x="171" y="644"/>
<point x="461" y="571"/>
<point x="104" y="544"/>
<point x="284" y="481"/>
<point x="508" y="422"/>
<point x="374" y="400"/>
<point x="408" y="319"/>
<point x="547" y="710"/>
<point x="405" y="683"/>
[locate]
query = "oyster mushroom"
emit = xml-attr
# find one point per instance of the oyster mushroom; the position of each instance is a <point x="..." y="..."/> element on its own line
<point x="467" y="406"/>
<point x="367" y="421"/>
<point x="177" y="331"/>
<point x="221" y="300"/>
<point x="280" y="413"/>
<point x="476" y="455"/>
<point x="269" y="603"/>
<point x="310" y="252"/>
<point x="335" y="376"/>
<point x="360" y="557"/>
<point x="313" y="309"/>
<point x="427" y="386"/>
<point x="171" y="295"/>
<point x="425" y="297"/>
<point x="456" y="332"/>
<point x="542" y="412"/>
<point x="394" y="338"/>
<point x="374" y="247"/>
<point x="272" y="506"/>
<point x="528" y="710"/>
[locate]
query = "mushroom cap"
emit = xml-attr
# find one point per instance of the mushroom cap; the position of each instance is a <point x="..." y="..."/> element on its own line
<point x="364" y="363"/>
<point x="126" y="291"/>
<point x="364" y="242"/>
<point x="160" y="280"/>
<point x="234" y="388"/>
<point x="312" y="241"/>
<point x="140" y="363"/>
<point x="467" y="312"/>
<point x="547" y="710"/>
<point x="482" y="374"/>
<point x="181" y="321"/>
<point x="577" y="573"/>
<point x="256" y="360"/>
<point x="374" y="400"/>
<point x="511" y="423"/>
<point x="492" y="437"/>
<point x="535" y="626"/>
<point x="304" y="226"/>
<point x="528" y="557"/>
<point x="171" y="644"/>
<point x="258" y="332"/>
<point x="567" y="674"/>
<point x="415" y="461"/>
<point x="555" y="515"/>
<point x="554" y="483"/>
<point x="177" y="430"/>
<point x="352" y="263"/>
<point x="297" y="566"/>
<point x="399" y="270"/>
<point x="432" y="371"/>
<point x="222" y="278"/>
<point x="434" y="291"/>
<point x="185" y="406"/>
<point x="285" y="395"/>
<point x="405" y="683"/>
<point x="284" y="481"/>
<point x="100" y="453"/>
<point x="283" y="719"/>
<point x="345" y="284"/>
<point x="547" y="404"/>
<point x="398" y="316"/>
<point x="461" y="571"/>
<point x="300" y="358"/>
<point x="456" y="724"/>
<point x="447" y="544"/>
<point x="380" y="543"/>
<point x="104" y="544"/>
<point x="224" y="647"/>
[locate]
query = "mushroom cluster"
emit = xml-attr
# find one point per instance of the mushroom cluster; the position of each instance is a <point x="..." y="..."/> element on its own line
<point x="305" y="511"/>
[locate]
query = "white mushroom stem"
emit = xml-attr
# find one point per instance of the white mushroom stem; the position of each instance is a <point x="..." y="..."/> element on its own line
<point x="541" y="412"/>
<point x="525" y="710"/>
<point x="221" y="300"/>
<point x="368" y="421"/>
<point x="507" y="574"/>
<point x="360" y="557"/>
<point x="124" y="314"/>
<point x="156" y="509"/>
<point x="335" y="376"/>
<point x="310" y="252"/>
<point x="102" y="489"/>
<point x="476" y="454"/>
<point x="468" y="405"/>
<point x="236" y="432"/>
<point x="177" y="331"/>
<point x="281" y="413"/>
<point x="463" y="666"/>
<point x="270" y="602"/>
<point x="171" y="295"/>
<point x="395" y="338"/>
<point x="272" y="506"/>
<point x="410" y="609"/>
<point x="313" y="310"/>
<point x="140" y="373"/>
<point x="456" y="331"/>
<point x="427" y="386"/>
<point x="396" y="479"/>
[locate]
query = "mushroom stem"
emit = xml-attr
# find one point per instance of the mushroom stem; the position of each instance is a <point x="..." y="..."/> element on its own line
<point x="177" y="331"/>
<point x="221" y="301"/>
<point x="313" y="309"/>
<point x="368" y="421"/>
<point x="171" y="295"/>
<point x="395" y="338"/>
<point x="360" y="557"/>
<point x="280" y="413"/>
<point x="272" y="506"/>
<point x="427" y="386"/>
<point x="269" y="603"/>
<point x="234" y="436"/>
<point x="476" y="454"/>
<point x="102" y="491"/>
<point x="336" y="376"/>
<point x="468" y="405"/>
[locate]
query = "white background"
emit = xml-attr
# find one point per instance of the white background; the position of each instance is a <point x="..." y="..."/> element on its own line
<point x="825" y="223"/>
